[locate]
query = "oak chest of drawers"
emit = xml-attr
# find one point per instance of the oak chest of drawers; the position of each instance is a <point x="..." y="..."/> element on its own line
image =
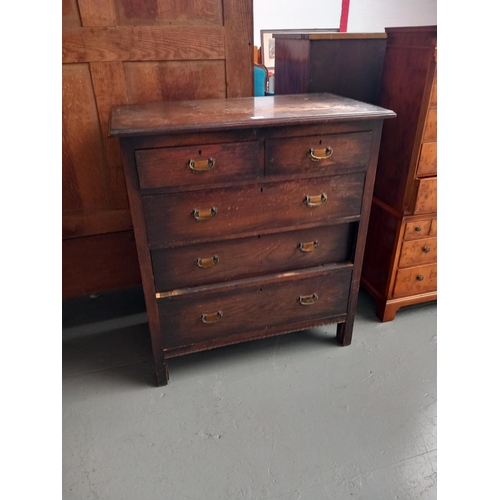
<point x="400" y="265"/>
<point x="250" y="214"/>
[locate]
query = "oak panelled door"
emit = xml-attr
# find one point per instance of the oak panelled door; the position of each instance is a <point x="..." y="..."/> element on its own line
<point x="125" y="52"/>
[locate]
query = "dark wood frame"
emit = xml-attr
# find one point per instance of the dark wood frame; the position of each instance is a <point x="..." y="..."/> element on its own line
<point x="279" y="31"/>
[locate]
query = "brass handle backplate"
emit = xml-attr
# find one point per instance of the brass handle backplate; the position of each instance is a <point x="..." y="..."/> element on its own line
<point x="209" y="262"/>
<point x="320" y="154"/>
<point x="200" y="166"/>
<point x="205" y="213"/>
<point x="211" y="318"/>
<point x="315" y="201"/>
<point x="309" y="246"/>
<point x="420" y="278"/>
<point x="308" y="300"/>
<point x="426" y="249"/>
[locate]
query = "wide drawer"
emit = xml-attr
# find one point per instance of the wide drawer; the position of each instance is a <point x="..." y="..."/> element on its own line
<point x="220" y="261"/>
<point x="426" y="197"/>
<point x="318" y="154"/>
<point x="255" y="305"/>
<point x="427" y="162"/>
<point x="415" y="280"/>
<point x="194" y="217"/>
<point x="202" y="164"/>
<point x="417" y="252"/>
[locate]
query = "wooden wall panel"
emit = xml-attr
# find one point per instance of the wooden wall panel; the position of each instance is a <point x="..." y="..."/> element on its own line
<point x="175" y="80"/>
<point x="84" y="164"/>
<point x="128" y="51"/>
<point x="97" y="12"/>
<point x="98" y="263"/>
<point x="171" y="12"/>
<point x="108" y="81"/>
<point x="141" y="43"/>
<point x="70" y="14"/>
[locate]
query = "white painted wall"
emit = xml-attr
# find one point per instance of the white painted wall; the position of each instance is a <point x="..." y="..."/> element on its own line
<point x="376" y="15"/>
<point x="294" y="14"/>
<point x="364" y="15"/>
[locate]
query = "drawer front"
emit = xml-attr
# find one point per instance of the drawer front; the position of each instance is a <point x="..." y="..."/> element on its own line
<point x="187" y="319"/>
<point x="202" y="164"/>
<point x="427" y="162"/>
<point x="426" y="200"/>
<point x="318" y="154"/>
<point x="417" y="252"/>
<point x="430" y="127"/>
<point x="220" y="261"/>
<point x="417" y="229"/>
<point x="195" y="217"/>
<point x="415" y="280"/>
<point x="434" y="228"/>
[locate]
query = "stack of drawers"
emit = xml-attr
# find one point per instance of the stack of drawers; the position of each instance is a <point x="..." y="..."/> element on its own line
<point x="400" y="267"/>
<point x="249" y="214"/>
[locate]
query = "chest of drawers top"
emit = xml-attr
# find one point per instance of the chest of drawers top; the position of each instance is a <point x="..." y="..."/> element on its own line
<point x="246" y="112"/>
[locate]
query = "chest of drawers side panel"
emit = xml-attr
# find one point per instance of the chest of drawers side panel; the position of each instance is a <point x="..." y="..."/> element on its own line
<point x="142" y="244"/>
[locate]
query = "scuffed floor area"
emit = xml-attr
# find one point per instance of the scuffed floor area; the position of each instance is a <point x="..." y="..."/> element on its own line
<point x="290" y="417"/>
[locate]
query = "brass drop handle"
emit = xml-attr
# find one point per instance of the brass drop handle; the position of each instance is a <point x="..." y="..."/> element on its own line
<point x="418" y="229"/>
<point x="200" y="166"/>
<point x="315" y="201"/>
<point x="211" y="318"/>
<point x="420" y="278"/>
<point x="205" y="213"/>
<point x="309" y="246"/>
<point x="320" y="154"/>
<point x="426" y="249"/>
<point x="210" y="262"/>
<point x="308" y="300"/>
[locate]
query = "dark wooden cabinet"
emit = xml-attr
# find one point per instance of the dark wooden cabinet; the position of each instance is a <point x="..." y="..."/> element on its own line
<point x="400" y="266"/>
<point x="250" y="214"/>
<point x="347" y="64"/>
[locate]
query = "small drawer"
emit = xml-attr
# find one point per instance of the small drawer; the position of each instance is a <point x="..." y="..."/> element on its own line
<point x="427" y="161"/>
<point x="434" y="228"/>
<point x="426" y="197"/>
<point x="204" y="164"/>
<point x="209" y="215"/>
<point x="417" y="229"/>
<point x="430" y="127"/>
<point x="216" y="262"/>
<point x="256" y="305"/>
<point x="318" y="154"/>
<point x="415" y="280"/>
<point x="418" y="252"/>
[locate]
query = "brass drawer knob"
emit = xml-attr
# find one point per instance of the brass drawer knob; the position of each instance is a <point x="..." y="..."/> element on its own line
<point x="315" y="201"/>
<point x="320" y="154"/>
<point x="308" y="300"/>
<point x="211" y="318"/>
<point x="309" y="246"/>
<point x="210" y="262"/>
<point x="200" y="166"/>
<point x="420" y="278"/>
<point x="418" y="229"/>
<point x="204" y="214"/>
<point x="426" y="249"/>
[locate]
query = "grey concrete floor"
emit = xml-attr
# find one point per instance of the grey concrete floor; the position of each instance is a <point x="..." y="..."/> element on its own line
<point x="291" y="417"/>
